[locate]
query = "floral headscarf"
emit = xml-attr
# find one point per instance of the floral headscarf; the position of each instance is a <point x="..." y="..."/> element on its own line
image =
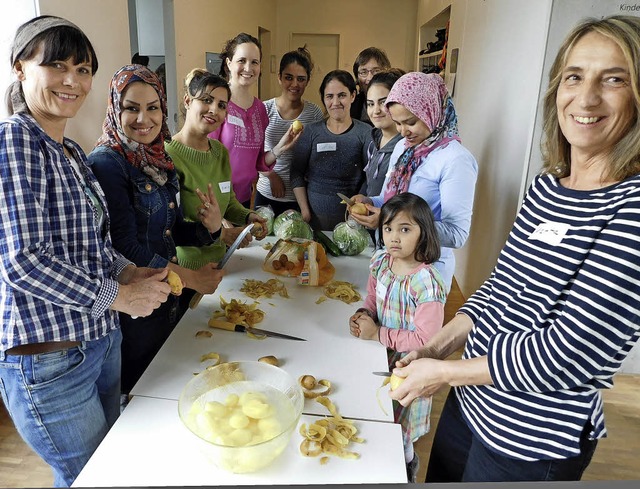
<point x="151" y="159"/>
<point x="426" y="97"/>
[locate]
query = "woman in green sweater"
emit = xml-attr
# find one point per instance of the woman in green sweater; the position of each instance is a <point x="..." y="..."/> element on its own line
<point x="200" y="161"/>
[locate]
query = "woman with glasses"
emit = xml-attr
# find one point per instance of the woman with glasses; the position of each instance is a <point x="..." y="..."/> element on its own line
<point x="368" y="63"/>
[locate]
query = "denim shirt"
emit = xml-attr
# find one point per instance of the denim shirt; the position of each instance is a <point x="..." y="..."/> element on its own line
<point x="146" y="220"/>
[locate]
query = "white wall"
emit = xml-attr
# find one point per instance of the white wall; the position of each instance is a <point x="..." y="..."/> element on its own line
<point x="19" y="12"/>
<point x="500" y="61"/>
<point x="106" y="24"/>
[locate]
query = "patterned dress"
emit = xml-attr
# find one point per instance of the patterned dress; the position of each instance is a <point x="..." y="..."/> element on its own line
<point x="396" y="299"/>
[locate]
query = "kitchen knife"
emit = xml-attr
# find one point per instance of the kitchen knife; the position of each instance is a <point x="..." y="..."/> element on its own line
<point x="240" y="328"/>
<point x="383" y="374"/>
<point x="349" y="201"/>
<point x="195" y="300"/>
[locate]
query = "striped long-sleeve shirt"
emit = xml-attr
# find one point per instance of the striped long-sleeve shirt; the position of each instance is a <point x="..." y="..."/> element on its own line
<point x="556" y="319"/>
<point x="274" y="132"/>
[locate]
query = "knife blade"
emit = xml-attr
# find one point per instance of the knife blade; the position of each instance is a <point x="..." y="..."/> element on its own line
<point x="349" y="201"/>
<point x="240" y="328"/>
<point x="382" y="374"/>
<point x="195" y="300"/>
<point x="234" y="246"/>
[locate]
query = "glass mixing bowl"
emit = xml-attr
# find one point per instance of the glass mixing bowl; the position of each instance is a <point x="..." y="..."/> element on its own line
<point x="245" y="411"/>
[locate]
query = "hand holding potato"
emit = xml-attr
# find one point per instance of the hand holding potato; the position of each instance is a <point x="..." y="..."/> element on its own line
<point x="229" y="235"/>
<point x="260" y="225"/>
<point x="142" y="297"/>
<point x="423" y="377"/>
<point x="370" y="221"/>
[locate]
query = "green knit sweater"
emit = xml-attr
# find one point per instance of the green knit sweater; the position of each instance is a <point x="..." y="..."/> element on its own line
<point x="195" y="170"/>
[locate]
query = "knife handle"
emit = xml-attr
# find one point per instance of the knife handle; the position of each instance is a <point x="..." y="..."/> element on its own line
<point x="217" y="323"/>
<point x="195" y="300"/>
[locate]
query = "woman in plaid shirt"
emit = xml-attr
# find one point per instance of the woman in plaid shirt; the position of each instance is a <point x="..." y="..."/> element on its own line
<point x="61" y="281"/>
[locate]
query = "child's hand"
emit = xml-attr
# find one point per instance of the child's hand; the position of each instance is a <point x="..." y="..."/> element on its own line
<point x="367" y="328"/>
<point x="354" y="329"/>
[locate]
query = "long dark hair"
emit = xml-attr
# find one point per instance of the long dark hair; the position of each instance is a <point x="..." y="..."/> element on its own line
<point x="428" y="248"/>
<point x="197" y="81"/>
<point x="300" y="56"/>
<point x="229" y="49"/>
<point x="386" y="78"/>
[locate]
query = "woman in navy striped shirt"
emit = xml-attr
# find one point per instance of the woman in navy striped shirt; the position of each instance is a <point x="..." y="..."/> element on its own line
<point x="559" y="313"/>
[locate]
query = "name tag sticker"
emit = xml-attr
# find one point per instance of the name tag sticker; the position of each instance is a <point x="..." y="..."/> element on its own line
<point x="225" y="187"/>
<point x="550" y="232"/>
<point x="236" y="121"/>
<point x="323" y="147"/>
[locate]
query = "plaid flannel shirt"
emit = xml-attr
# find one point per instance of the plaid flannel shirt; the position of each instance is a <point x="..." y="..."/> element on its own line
<point x="58" y="268"/>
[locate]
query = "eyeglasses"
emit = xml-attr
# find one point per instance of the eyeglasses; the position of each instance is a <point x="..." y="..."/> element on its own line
<point x="373" y="71"/>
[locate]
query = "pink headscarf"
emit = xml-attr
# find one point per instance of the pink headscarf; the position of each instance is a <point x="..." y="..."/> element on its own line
<point x="426" y="97"/>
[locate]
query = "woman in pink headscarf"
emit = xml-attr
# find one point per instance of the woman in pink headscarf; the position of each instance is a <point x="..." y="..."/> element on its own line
<point x="432" y="163"/>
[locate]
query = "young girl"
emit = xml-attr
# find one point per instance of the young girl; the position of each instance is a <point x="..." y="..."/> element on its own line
<point x="242" y="132"/>
<point x="405" y="299"/>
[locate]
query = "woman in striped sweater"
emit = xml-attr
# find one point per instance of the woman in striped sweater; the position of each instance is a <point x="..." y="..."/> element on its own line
<point x="559" y="313"/>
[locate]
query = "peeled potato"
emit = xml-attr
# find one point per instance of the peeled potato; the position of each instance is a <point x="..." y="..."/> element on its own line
<point x="270" y="359"/>
<point x="256" y="409"/>
<point x="359" y="208"/>
<point x="173" y="279"/>
<point x="296" y="126"/>
<point x="257" y="228"/>
<point x="395" y="381"/>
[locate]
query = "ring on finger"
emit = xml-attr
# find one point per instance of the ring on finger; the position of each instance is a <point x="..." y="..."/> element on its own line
<point x="202" y="212"/>
<point x="207" y="205"/>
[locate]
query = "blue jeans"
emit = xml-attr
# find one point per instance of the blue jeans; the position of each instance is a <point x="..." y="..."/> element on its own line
<point x="64" y="402"/>
<point x="458" y="456"/>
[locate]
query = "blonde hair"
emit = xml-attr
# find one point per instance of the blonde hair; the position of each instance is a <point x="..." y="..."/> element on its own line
<point x="625" y="156"/>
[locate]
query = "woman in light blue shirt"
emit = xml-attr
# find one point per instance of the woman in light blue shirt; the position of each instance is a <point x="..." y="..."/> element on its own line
<point x="432" y="163"/>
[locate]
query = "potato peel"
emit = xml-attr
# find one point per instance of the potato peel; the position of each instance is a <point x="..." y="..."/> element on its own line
<point x="342" y="291"/>
<point x="329" y="436"/>
<point x="238" y="312"/>
<point x="309" y="390"/>
<point x="384" y="382"/>
<point x="211" y="356"/>
<point x="204" y="334"/>
<point x="257" y="288"/>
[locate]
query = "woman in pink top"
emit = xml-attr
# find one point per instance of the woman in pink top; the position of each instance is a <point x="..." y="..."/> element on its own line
<point x="242" y="132"/>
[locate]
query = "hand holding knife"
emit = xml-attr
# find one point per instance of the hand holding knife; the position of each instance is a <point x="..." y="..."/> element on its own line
<point x="195" y="300"/>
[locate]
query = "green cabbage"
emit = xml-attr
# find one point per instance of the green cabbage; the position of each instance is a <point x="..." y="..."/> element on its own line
<point x="266" y="212"/>
<point x="350" y="237"/>
<point x="290" y="224"/>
